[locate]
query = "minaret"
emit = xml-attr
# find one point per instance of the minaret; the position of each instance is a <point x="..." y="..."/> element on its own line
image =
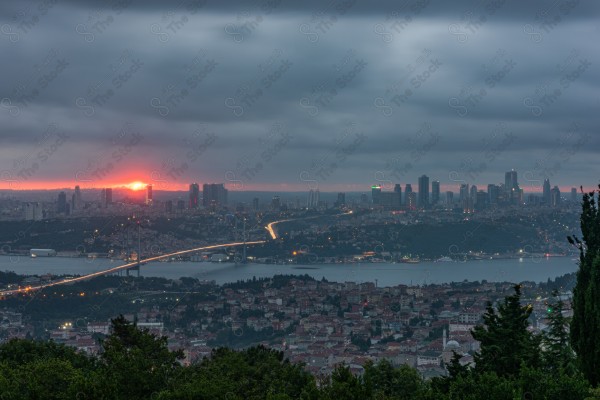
<point x="444" y="337"/>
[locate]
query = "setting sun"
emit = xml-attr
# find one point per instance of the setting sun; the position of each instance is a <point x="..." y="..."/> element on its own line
<point x="136" y="185"/>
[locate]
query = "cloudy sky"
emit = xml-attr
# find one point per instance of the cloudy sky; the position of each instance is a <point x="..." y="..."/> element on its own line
<point x="282" y="95"/>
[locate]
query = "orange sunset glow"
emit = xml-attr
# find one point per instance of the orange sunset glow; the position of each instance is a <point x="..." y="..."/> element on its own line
<point x="137" y="185"/>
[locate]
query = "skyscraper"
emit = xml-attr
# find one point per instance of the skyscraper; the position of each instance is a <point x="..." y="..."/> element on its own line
<point x="510" y="180"/>
<point x="398" y="191"/>
<point x="481" y="200"/>
<point x="435" y="192"/>
<point x="341" y="200"/>
<point x="449" y="198"/>
<point x="465" y="198"/>
<point x="77" y="202"/>
<point x="313" y="199"/>
<point x="555" y="196"/>
<point x="376" y="194"/>
<point x="411" y="200"/>
<point x="62" y="203"/>
<point x="149" y="195"/>
<point x="105" y="197"/>
<point x="214" y="194"/>
<point x="33" y="212"/>
<point x="493" y="193"/>
<point x="546" y="195"/>
<point x="464" y="192"/>
<point x="276" y="203"/>
<point x="194" y="201"/>
<point x="407" y="191"/>
<point x="511" y="185"/>
<point x="473" y="194"/>
<point x="573" y="195"/>
<point x="424" y="191"/>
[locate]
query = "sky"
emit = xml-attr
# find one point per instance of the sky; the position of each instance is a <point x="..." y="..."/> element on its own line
<point x="291" y="96"/>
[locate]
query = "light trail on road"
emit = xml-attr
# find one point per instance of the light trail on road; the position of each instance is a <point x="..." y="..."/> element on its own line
<point x="270" y="227"/>
<point x="122" y="267"/>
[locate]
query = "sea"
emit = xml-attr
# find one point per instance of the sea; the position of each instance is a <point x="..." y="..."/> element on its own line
<point x="536" y="269"/>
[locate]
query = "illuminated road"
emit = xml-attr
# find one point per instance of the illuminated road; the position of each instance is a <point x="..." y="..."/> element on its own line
<point x="121" y="267"/>
<point x="271" y="226"/>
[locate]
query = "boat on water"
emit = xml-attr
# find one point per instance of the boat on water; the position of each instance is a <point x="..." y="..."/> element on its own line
<point x="444" y="259"/>
<point x="410" y="260"/>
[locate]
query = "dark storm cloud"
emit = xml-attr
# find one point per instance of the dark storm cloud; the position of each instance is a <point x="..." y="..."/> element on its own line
<point x="461" y="91"/>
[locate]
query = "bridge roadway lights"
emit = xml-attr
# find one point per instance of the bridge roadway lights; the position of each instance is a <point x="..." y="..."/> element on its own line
<point x="136" y="268"/>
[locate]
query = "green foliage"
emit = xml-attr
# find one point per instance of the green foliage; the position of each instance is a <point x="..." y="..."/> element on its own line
<point x="487" y="385"/>
<point x="558" y="355"/>
<point x="537" y="383"/>
<point x="136" y="363"/>
<point x="397" y="383"/>
<point x="255" y="373"/>
<point x="505" y="341"/>
<point x="343" y="385"/>
<point x="585" y="325"/>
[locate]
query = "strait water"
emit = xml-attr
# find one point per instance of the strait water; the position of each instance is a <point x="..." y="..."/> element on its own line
<point x="386" y="274"/>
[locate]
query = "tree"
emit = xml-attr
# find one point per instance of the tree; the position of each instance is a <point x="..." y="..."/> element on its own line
<point x="585" y="325"/>
<point x="505" y="341"/>
<point x="382" y="379"/>
<point x="558" y="354"/>
<point x="455" y="371"/>
<point x="137" y="364"/>
<point x="251" y="374"/>
<point x="343" y="384"/>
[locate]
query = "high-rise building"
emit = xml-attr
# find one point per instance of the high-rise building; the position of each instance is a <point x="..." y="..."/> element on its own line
<point x="255" y="204"/>
<point x="398" y="191"/>
<point x="510" y="180"/>
<point x="169" y="206"/>
<point x="411" y="200"/>
<point x="62" y="203"/>
<point x="341" y="200"/>
<point x="464" y="192"/>
<point x="555" y="196"/>
<point x="106" y="197"/>
<point x="376" y="194"/>
<point x="149" y="195"/>
<point x="407" y="190"/>
<point x="449" y="198"/>
<point x="194" y="201"/>
<point x="76" y="200"/>
<point x="481" y="200"/>
<point x="473" y="194"/>
<point x="276" y="203"/>
<point x="511" y="185"/>
<point x="573" y="195"/>
<point x="180" y="206"/>
<point x="390" y="200"/>
<point x="364" y="200"/>
<point x="313" y="199"/>
<point x="493" y="194"/>
<point x="33" y="212"/>
<point x="546" y="195"/>
<point x="435" y="192"/>
<point x="424" y="191"/>
<point x="465" y="197"/>
<point x="214" y="194"/>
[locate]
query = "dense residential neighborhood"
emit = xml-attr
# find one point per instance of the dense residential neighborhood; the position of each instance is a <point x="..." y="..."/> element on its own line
<point x="319" y="323"/>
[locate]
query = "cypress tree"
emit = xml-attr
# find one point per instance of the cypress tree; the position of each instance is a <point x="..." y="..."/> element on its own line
<point x="585" y="325"/>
